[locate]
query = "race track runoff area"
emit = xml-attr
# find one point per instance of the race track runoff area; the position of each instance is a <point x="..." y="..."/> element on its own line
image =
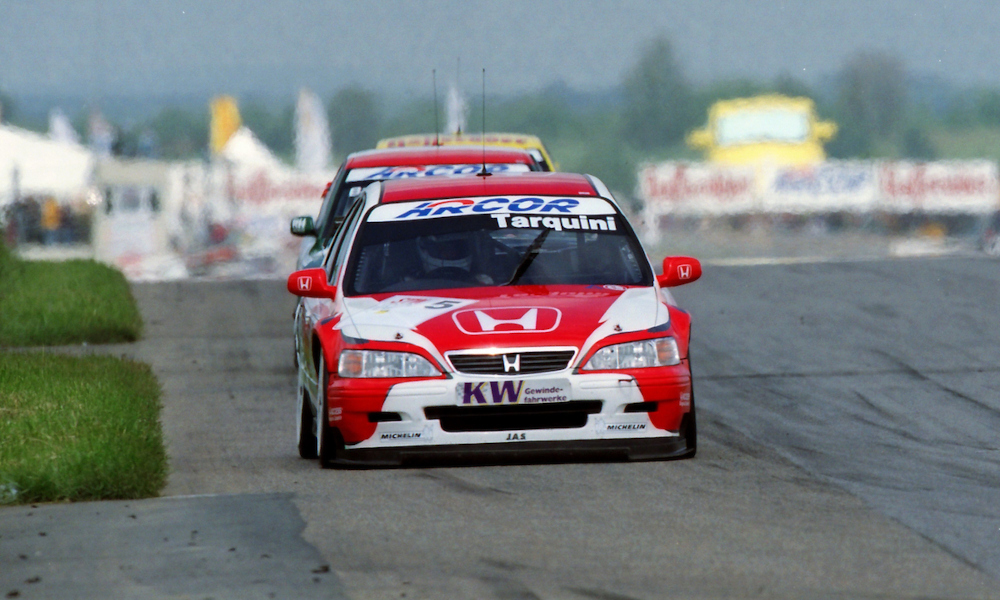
<point x="848" y="414"/>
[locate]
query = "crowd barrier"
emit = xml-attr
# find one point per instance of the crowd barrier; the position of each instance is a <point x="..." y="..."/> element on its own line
<point x="705" y="189"/>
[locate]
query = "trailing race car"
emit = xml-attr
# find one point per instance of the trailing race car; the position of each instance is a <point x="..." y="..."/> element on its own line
<point x="504" y="315"/>
<point x="362" y="168"/>
<point x="531" y="143"/>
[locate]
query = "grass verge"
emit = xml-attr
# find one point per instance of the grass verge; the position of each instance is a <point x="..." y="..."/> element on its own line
<point x="78" y="428"/>
<point x="50" y="303"/>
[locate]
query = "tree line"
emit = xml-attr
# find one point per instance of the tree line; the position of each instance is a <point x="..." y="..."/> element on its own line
<point x="880" y="110"/>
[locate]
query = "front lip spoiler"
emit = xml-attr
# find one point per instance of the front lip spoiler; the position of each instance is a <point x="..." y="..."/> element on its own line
<point x="501" y="453"/>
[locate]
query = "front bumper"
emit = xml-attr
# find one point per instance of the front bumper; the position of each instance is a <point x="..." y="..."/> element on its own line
<point x="633" y="415"/>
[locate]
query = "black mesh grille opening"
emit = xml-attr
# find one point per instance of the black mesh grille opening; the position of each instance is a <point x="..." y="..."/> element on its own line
<point x="384" y="417"/>
<point x="509" y="417"/>
<point x="530" y="362"/>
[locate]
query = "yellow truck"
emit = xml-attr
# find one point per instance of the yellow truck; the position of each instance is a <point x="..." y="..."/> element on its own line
<point x="771" y="129"/>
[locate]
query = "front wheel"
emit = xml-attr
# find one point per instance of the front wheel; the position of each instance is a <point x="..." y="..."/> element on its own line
<point x="689" y="429"/>
<point x="327" y="438"/>
<point x="306" y="427"/>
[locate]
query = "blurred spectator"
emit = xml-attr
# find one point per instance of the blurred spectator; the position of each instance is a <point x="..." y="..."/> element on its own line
<point x="32" y="215"/>
<point x="218" y="233"/>
<point x="51" y="220"/>
<point x="10" y="221"/>
<point x="66" y="233"/>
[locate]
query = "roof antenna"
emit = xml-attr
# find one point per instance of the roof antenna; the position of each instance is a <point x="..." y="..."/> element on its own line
<point x="458" y="73"/>
<point x="437" y="126"/>
<point x="484" y="172"/>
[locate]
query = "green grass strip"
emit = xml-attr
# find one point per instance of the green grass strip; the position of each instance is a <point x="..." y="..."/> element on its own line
<point x="50" y="303"/>
<point x="78" y="428"/>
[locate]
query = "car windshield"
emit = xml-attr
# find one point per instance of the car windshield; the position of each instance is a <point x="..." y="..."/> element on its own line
<point x="752" y="126"/>
<point x="590" y="245"/>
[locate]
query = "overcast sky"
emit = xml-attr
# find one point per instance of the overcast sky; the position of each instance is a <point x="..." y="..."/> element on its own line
<point x="99" y="48"/>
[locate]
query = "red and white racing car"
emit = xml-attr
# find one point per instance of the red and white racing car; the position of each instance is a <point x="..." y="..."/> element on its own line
<point x="505" y="315"/>
<point x="360" y="169"/>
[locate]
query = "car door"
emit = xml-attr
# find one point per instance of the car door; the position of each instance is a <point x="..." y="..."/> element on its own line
<point x="311" y="311"/>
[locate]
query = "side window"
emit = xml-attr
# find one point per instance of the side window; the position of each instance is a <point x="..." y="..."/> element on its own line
<point x="347" y="197"/>
<point x="340" y="206"/>
<point x="331" y="194"/>
<point x="537" y="155"/>
<point x="343" y="241"/>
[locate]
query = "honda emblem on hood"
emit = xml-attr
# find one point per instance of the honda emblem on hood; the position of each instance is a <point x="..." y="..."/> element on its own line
<point x="526" y="322"/>
<point x="511" y="364"/>
<point x="505" y="320"/>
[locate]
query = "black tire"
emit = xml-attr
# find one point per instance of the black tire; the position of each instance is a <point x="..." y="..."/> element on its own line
<point x="689" y="429"/>
<point x="327" y="438"/>
<point x="327" y="444"/>
<point x="295" y="333"/>
<point x="306" y="429"/>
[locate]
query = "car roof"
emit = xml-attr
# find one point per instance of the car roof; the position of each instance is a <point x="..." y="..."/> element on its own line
<point x="429" y="155"/>
<point x="520" y="184"/>
<point x="428" y="139"/>
<point x="510" y="140"/>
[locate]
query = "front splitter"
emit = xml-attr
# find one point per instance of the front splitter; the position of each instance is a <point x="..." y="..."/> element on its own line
<point x="517" y="453"/>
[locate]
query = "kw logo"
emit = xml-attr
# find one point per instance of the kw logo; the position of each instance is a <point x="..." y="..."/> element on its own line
<point x="521" y="319"/>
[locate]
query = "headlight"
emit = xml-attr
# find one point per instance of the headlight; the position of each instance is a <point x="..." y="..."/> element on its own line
<point x="379" y="363"/>
<point x="661" y="352"/>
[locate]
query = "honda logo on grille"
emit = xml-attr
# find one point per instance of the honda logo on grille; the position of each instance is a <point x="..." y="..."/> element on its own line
<point x="511" y="364"/>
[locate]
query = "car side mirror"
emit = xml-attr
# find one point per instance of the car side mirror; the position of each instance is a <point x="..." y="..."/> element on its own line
<point x="311" y="283"/>
<point x="699" y="139"/>
<point x="678" y="270"/>
<point x="302" y="226"/>
<point x="825" y="130"/>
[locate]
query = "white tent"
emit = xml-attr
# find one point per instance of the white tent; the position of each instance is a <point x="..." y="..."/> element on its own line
<point x="312" y="134"/>
<point x="35" y="164"/>
<point x="245" y="150"/>
<point x="255" y="195"/>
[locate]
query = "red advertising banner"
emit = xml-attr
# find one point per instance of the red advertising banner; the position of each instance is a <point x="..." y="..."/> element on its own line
<point x="955" y="187"/>
<point x="697" y="188"/>
<point x="684" y="189"/>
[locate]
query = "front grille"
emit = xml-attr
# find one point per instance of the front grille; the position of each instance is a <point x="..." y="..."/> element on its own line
<point x="530" y="362"/>
<point x="514" y="417"/>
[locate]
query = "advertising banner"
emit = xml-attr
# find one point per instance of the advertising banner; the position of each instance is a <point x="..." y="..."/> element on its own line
<point x="706" y="189"/>
<point x="682" y="188"/>
<point x="942" y="187"/>
<point x="826" y="187"/>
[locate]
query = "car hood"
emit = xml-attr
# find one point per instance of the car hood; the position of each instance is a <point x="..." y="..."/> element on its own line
<point x="516" y="317"/>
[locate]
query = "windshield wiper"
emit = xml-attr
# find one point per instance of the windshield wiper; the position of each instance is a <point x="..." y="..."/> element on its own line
<point x="529" y="257"/>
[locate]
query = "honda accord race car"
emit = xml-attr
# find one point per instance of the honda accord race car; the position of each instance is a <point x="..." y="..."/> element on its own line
<point x="531" y="143"/>
<point x="500" y="315"/>
<point x="362" y="168"/>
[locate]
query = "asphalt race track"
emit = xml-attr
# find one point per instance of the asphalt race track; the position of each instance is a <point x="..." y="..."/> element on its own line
<point x="849" y="416"/>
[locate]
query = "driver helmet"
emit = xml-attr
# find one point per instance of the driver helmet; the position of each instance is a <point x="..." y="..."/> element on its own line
<point x="445" y="250"/>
